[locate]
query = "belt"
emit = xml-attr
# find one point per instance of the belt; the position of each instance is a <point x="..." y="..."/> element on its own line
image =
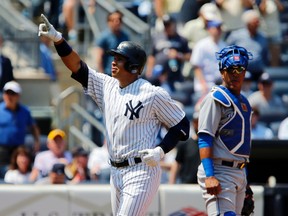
<point x="126" y="162"/>
<point x="235" y="164"/>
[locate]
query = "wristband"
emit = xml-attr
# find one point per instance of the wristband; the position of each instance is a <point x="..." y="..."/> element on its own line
<point x="63" y="49"/>
<point x="208" y="166"/>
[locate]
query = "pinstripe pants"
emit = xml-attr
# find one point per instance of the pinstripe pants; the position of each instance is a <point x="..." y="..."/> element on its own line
<point x="133" y="189"/>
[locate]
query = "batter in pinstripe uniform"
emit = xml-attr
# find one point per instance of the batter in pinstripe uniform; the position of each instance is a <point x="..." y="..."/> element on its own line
<point x="133" y="111"/>
<point x="224" y="137"/>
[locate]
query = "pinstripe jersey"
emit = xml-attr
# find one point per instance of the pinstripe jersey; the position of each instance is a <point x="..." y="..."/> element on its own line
<point x="133" y="115"/>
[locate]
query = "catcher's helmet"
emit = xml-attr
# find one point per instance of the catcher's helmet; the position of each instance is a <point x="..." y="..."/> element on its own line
<point x="233" y="56"/>
<point x="134" y="54"/>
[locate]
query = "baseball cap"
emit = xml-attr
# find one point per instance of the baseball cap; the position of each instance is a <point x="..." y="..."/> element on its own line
<point x="265" y="78"/>
<point x="214" y="23"/>
<point x="56" y="132"/>
<point x="12" y="86"/>
<point x="58" y="168"/>
<point x="210" y="11"/>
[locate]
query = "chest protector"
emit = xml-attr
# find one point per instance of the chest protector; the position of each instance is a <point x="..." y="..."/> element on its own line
<point x="235" y="134"/>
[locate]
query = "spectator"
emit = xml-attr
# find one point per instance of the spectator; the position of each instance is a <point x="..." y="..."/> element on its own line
<point x="20" y="167"/>
<point x="6" y="69"/>
<point x="203" y="60"/>
<point x="195" y="29"/>
<point x="247" y="86"/>
<point x="56" y="175"/>
<point x="168" y="48"/>
<point x="56" y="153"/>
<point x="259" y="129"/>
<point x="283" y="129"/>
<point x="264" y="99"/>
<point x="251" y="37"/>
<point x="78" y="170"/>
<point x="15" y="122"/>
<point x="109" y="39"/>
<point x="98" y="164"/>
<point x="185" y="167"/>
<point x="271" y="26"/>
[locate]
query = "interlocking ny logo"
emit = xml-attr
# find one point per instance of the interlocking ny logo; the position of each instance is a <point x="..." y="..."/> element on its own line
<point x="134" y="111"/>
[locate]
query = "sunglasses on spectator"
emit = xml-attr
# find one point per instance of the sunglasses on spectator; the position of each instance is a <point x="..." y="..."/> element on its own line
<point x="237" y="70"/>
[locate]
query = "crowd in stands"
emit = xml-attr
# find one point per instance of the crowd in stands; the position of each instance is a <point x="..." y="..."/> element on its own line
<point x="183" y="48"/>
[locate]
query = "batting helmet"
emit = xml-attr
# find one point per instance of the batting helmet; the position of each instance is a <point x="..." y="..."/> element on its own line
<point x="134" y="54"/>
<point x="233" y="56"/>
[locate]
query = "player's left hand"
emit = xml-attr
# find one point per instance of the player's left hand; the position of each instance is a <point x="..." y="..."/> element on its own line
<point x="152" y="156"/>
<point x="48" y="30"/>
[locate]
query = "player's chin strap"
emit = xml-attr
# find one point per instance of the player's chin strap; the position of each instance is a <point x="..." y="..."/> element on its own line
<point x="175" y="134"/>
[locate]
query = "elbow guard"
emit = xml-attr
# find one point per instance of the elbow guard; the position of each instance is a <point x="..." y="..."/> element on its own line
<point x="179" y="132"/>
<point x="82" y="74"/>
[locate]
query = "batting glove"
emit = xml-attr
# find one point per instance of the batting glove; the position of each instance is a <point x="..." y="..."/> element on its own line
<point x="48" y="30"/>
<point x="152" y="156"/>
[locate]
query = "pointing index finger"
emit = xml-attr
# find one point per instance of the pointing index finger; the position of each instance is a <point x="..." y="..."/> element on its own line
<point x="45" y="20"/>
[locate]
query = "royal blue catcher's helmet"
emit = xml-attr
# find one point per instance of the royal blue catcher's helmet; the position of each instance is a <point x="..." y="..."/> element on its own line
<point x="233" y="56"/>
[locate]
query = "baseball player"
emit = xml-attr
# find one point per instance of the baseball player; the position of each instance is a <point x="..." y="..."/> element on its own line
<point x="133" y="111"/>
<point x="224" y="136"/>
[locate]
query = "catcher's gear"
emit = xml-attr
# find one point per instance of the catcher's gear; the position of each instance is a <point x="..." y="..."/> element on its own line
<point x="133" y="53"/>
<point x="248" y="207"/>
<point x="233" y="56"/>
<point x="152" y="156"/>
<point x="48" y="30"/>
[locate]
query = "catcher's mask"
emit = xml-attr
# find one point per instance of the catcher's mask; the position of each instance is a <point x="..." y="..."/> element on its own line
<point x="233" y="56"/>
<point x="133" y="53"/>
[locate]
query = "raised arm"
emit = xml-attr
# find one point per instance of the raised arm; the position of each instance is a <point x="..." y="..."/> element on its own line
<point x="69" y="57"/>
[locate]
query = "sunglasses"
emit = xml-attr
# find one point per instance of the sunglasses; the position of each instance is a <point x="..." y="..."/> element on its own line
<point x="237" y="70"/>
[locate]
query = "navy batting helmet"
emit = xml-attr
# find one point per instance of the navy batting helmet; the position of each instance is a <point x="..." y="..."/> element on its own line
<point x="233" y="56"/>
<point x="134" y="54"/>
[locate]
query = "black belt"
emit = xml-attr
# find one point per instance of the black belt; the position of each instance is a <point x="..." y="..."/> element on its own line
<point x="125" y="162"/>
<point x="231" y="164"/>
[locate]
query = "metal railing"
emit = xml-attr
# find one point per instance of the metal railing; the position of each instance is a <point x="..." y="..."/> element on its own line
<point x="74" y="118"/>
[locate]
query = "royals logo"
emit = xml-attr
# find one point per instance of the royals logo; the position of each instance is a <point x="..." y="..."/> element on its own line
<point x="134" y="111"/>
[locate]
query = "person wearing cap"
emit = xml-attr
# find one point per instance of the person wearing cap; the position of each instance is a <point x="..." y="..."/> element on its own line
<point x="56" y="153"/>
<point x="224" y="136"/>
<point x="6" y="68"/>
<point x="265" y="99"/>
<point x="195" y="29"/>
<point x="170" y="49"/>
<point x="15" y="122"/>
<point x="56" y="175"/>
<point x="203" y="61"/>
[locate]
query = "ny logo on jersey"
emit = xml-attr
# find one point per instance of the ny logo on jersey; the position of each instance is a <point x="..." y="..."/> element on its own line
<point x="134" y="111"/>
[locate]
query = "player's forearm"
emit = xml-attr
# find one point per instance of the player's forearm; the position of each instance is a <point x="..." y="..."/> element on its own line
<point x="69" y="57"/>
